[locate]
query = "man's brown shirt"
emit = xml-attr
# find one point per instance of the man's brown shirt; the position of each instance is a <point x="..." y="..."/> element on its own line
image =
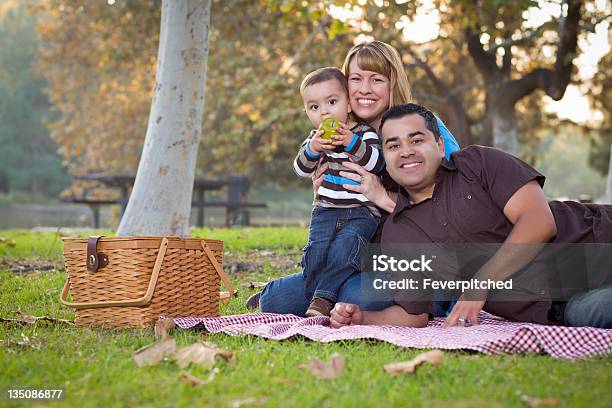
<point x="467" y="204"/>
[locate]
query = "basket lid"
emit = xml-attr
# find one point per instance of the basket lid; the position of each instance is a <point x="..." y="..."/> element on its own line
<point x="142" y="242"/>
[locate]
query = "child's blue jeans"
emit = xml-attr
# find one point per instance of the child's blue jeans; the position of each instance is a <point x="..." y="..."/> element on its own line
<point x="336" y="241"/>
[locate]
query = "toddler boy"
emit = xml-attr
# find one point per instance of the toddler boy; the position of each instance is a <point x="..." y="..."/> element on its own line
<point x="343" y="221"/>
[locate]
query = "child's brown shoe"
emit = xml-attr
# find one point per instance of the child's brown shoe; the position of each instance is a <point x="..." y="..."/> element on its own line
<point x="319" y="307"/>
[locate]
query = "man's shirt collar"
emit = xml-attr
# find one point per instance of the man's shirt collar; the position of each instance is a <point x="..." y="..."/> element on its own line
<point x="403" y="198"/>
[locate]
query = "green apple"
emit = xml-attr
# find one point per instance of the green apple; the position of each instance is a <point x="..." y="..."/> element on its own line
<point x="329" y="127"/>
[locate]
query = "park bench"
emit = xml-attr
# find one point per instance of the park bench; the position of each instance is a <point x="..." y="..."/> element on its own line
<point x="236" y="205"/>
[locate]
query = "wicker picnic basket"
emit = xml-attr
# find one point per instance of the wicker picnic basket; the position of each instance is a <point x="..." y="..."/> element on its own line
<point x="131" y="281"/>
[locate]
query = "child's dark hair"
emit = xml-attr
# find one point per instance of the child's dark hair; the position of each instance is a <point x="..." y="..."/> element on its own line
<point x="399" y="111"/>
<point x="322" y="75"/>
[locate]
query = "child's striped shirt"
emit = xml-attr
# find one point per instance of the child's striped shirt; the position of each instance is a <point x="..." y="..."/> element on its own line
<point x="364" y="150"/>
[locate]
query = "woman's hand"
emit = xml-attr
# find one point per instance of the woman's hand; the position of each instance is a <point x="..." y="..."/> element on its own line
<point x="369" y="185"/>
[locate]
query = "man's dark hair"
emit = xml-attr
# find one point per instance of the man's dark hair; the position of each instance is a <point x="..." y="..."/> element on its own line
<point x="322" y="75"/>
<point x="399" y="111"/>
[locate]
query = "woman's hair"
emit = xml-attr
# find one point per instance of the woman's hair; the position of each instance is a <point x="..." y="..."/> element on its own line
<point x="384" y="59"/>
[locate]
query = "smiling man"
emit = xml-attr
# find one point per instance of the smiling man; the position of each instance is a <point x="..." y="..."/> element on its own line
<point x="480" y="195"/>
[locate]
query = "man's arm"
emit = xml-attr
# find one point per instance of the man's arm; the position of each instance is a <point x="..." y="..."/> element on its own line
<point x="344" y="314"/>
<point x="534" y="224"/>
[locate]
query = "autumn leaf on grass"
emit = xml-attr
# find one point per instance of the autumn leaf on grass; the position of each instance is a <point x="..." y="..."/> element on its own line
<point x="162" y="326"/>
<point x="27" y="319"/>
<point x="27" y="342"/>
<point x="8" y="242"/>
<point x="325" y="371"/>
<point x="193" y="380"/>
<point x="433" y="357"/>
<point x="537" y="402"/>
<point x="253" y="285"/>
<point x="203" y="354"/>
<point x="248" y="401"/>
<point x="154" y="353"/>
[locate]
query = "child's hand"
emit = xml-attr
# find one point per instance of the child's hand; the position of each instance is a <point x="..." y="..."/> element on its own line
<point x="345" y="314"/>
<point x="344" y="137"/>
<point x="318" y="144"/>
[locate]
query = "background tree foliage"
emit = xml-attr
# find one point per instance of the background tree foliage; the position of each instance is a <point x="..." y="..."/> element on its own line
<point x="600" y="93"/>
<point x="99" y="61"/>
<point x="28" y="159"/>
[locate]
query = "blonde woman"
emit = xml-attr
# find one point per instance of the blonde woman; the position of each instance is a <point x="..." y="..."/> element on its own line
<point x="376" y="81"/>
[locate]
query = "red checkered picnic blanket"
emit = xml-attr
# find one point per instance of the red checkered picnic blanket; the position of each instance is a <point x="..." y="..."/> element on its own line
<point x="493" y="335"/>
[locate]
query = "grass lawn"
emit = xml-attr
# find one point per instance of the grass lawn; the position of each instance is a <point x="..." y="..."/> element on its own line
<point x="96" y="369"/>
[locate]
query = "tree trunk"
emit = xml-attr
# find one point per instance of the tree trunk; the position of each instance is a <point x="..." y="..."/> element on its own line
<point x="458" y="121"/>
<point x="608" y="198"/>
<point x="160" y="203"/>
<point x="500" y="127"/>
<point x="505" y="134"/>
<point x="486" y="135"/>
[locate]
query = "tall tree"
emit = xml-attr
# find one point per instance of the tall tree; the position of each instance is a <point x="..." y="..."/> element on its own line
<point x="503" y="90"/>
<point x="160" y="203"/>
<point x="488" y="62"/>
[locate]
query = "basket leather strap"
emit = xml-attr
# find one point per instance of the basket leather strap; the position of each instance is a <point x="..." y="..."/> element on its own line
<point x="224" y="296"/>
<point x="144" y="300"/>
<point x="95" y="259"/>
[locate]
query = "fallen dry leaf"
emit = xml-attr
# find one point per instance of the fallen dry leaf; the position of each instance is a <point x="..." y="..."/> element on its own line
<point x="249" y="401"/>
<point x="162" y="326"/>
<point x="83" y="379"/>
<point x="325" y="371"/>
<point x="4" y="320"/>
<point x="6" y="241"/>
<point x="537" y="402"/>
<point x="203" y="354"/>
<point x="193" y="380"/>
<point x="253" y="285"/>
<point x="35" y="343"/>
<point x="154" y="353"/>
<point x="433" y="357"/>
<point x="31" y="266"/>
<point x="27" y="319"/>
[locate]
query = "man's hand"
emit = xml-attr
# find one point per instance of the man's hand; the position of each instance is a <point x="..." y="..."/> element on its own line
<point x="464" y="313"/>
<point x="345" y="314"/>
<point x="318" y="144"/>
<point x="344" y="136"/>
